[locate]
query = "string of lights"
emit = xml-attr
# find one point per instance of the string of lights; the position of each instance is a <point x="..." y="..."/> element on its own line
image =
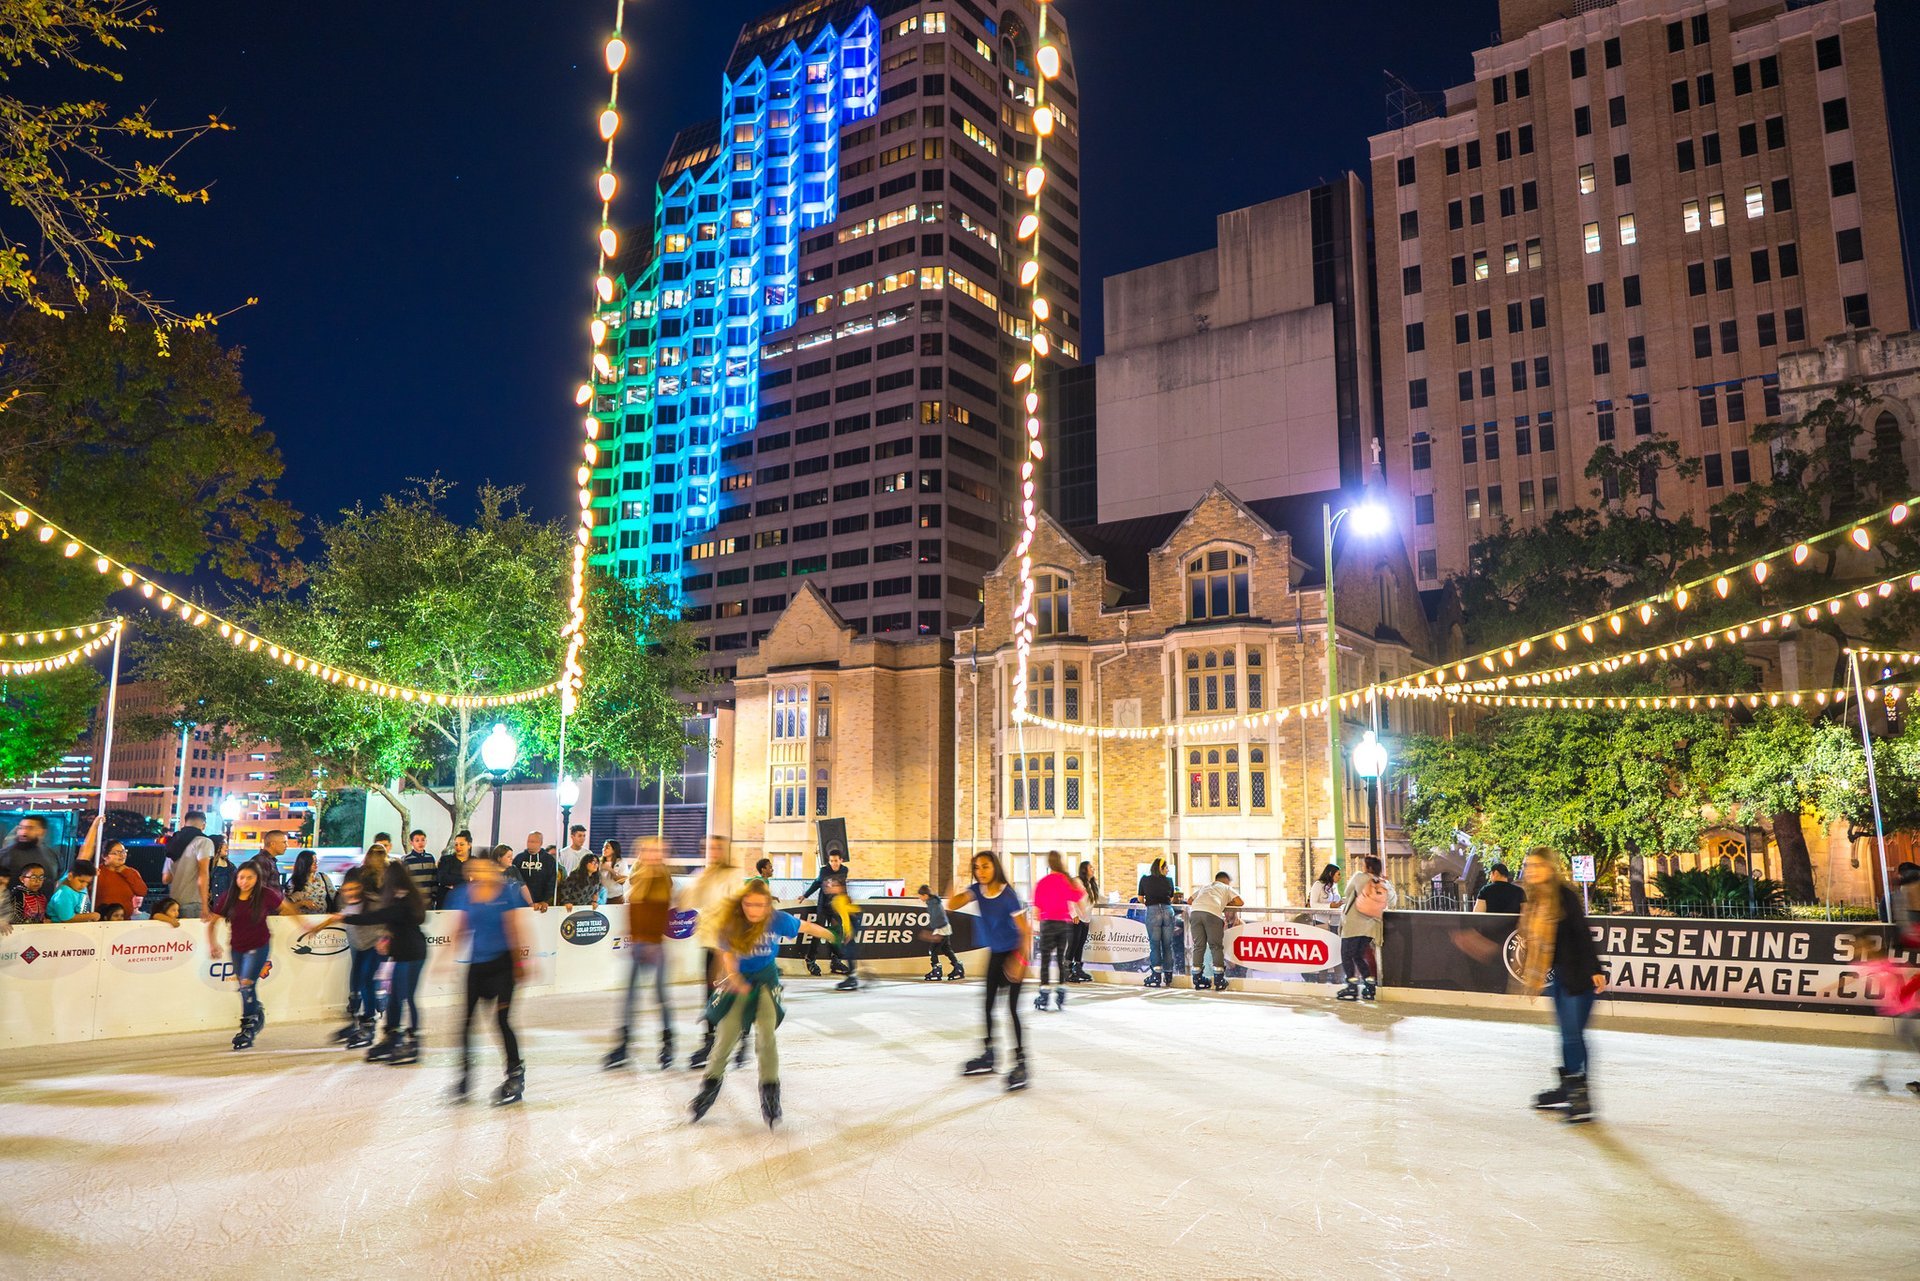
<point x="54" y="662"/>
<point x="1026" y="374"/>
<point x="75" y="548"/>
<point x="572" y="672"/>
<point x="1652" y="702"/>
<point x="43" y="635"/>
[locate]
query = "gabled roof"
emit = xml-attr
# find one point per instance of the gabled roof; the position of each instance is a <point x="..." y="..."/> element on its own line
<point x="1126" y="545"/>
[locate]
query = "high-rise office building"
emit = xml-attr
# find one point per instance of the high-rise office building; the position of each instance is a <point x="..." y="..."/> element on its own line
<point x="1609" y="237"/>
<point x="812" y="379"/>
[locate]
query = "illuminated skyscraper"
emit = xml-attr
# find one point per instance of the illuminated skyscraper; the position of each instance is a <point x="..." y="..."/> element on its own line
<point x="812" y="382"/>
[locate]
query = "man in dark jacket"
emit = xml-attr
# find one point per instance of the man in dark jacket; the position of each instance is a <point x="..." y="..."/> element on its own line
<point x="822" y="891"/>
<point x="29" y="846"/>
<point x="452" y="872"/>
<point x="539" y="871"/>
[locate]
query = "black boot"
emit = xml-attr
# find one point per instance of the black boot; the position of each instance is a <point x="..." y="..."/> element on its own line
<point x="362" y="1035"/>
<point x="770" y="1102"/>
<point x="956" y="974"/>
<point x="740" y="1050"/>
<point x="698" y="1059"/>
<point x="813" y="967"/>
<point x="617" y="1056"/>
<point x="1579" y="1106"/>
<point x="1200" y="983"/>
<point x="981" y="1065"/>
<point x="933" y="975"/>
<point x="1369" y="990"/>
<point x="851" y="983"/>
<point x="1554" y="1098"/>
<point x="345" y="1030"/>
<point x="514" y="1088"/>
<point x="1017" y="1078"/>
<point x="666" y="1051"/>
<point x="1351" y="992"/>
<point x="408" y="1051"/>
<point x="703" y="1101"/>
<point x="384" y="1051"/>
<point x="243" y="1039"/>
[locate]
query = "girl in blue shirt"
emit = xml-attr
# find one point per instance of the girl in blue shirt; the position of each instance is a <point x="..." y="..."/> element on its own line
<point x="1004" y="930"/>
<point x="747" y="937"/>
<point x="492" y="929"/>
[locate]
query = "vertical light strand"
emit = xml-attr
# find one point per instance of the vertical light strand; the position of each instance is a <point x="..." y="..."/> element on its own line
<point x="573" y="672"/>
<point x="1026" y="375"/>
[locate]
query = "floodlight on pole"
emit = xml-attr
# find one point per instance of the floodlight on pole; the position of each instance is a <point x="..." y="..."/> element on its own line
<point x="499" y="752"/>
<point x="1370" y="517"/>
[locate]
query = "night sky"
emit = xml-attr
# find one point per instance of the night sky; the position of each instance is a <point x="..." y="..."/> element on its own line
<point x="408" y="187"/>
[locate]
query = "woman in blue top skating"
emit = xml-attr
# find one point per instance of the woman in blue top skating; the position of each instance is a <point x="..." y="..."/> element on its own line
<point x="1005" y="932"/>
<point x="490" y="908"/>
<point x="748" y="938"/>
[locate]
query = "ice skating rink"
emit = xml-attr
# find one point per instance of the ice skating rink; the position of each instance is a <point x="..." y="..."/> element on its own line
<point x="1167" y="1134"/>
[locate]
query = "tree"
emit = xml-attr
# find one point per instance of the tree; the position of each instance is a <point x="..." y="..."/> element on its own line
<point x="406" y="594"/>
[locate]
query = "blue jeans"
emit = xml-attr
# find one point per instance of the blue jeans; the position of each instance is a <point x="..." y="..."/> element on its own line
<point x="362" y="1001"/>
<point x="1571" y="1012"/>
<point x="248" y="967"/>
<point x="646" y="957"/>
<point x="1162" y="954"/>
<point x="401" y="987"/>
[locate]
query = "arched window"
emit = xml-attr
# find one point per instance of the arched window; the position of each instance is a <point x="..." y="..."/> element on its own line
<point x="1050" y="604"/>
<point x="1256" y="681"/>
<point x="820" y="792"/>
<point x="1889" y="453"/>
<point x="1257" y="778"/>
<point x="1231" y="769"/>
<point x="1230" y="680"/>
<point x="824" y="713"/>
<point x="1070" y="778"/>
<point x="1217" y="585"/>
<point x="1211" y="661"/>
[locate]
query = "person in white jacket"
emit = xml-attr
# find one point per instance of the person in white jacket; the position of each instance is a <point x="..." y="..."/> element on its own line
<point x="1207" y="924"/>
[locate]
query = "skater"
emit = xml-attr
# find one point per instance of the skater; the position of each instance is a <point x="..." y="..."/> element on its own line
<point x="1055" y="899"/>
<point x="1083" y="912"/>
<point x="489" y="905"/>
<point x="939" y="937"/>
<point x="245" y="907"/>
<point x="401" y="909"/>
<point x="705" y="897"/>
<point x="842" y="923"/>
<point x="1325" y="891"/>
<point x="1007" y="936"/>
<point x="1899" y="984"/>
<point x="358" y="890"/>
<point x="749" y="934"/>
<point x="1156" y="892"/>
<point x="1557" y="957"/>
<point x="1207" y="923"/>
<point x="836" y="866"/>
<point x="649" y="909"/>
<point x="1363" y="927"/>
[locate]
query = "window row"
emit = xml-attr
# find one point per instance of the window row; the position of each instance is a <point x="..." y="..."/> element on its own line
<point x="1046" y="785"/>
<point x="790" y="792"/>
<point x="1484" y="441"/>
<point x="1213" y="681"/>
<point x="1493" y="507"/>
<point x="800" y="709"/>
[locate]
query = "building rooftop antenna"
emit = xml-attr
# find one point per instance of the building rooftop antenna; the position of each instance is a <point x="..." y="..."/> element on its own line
<point x="1407" y="105"/>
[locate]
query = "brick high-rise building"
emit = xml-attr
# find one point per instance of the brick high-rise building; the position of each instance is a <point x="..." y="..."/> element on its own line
<point x="1609" y="236"/>
<point x="812" y="381"/>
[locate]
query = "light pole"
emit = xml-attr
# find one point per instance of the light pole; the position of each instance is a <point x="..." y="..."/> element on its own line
<point x="1370" y="518"/>
<point x="231" y="808"/>
<point x="1370" y="762"/>
<point x="180" y="783"/>
<point x="498" y="752"/>
<point x="569" y="791"/>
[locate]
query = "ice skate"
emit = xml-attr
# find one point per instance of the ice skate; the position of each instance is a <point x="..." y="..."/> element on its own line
<point x="666" y="1053"/>
<point x="384" y="1051"/>
<point x="740" y="1052"/>
<point x="813" y="969"/>
<point x="345" y="1031"/>
<point x="933" y="975"/>
<point x="1351" y="992"/>
<point x="513" y="1089"/>
<point x="408" y="1051"/>
<point x="1200" y="983"/>
<point x="956" y="974"/>
<point x="703" y="1101"/>
<point x="243" y="1039"/>
<point x="362" y="1035"/>
<point x="1219" y="982"/>
<point x="1554" y="1098"/>
<point x="1080" y="975"/>
<point x="459" y="1093"/>
<point x="851" y="983"/>
<point x="1913" y="1087"/>
<point x="1017" y="1078"/>
<point x="616" y="1058"/>
<point x="1059" y="998"/>
<point x="1579" y="1106"/>
<point x="838" y="967"/>
<point x="1369" y="990"/>
<point x="983" y="1065"/>
<point x="1153" y="979"/>
<point x="1040" y="1001"/>
<point x="770" y="1102"/>
<point x="698" y="1059"/>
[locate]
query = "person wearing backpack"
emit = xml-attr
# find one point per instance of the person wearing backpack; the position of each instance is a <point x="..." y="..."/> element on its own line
<point x="1363" y="927"/>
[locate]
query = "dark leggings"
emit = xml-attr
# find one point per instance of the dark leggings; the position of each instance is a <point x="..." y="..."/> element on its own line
<point x="1353" y="957"/>
<point x="401" y="990"/>
<point x="996" y="981"/>
<point x="942" y="945"/>
<point x="491" y="980"/>
<point x="1053" y="948"/>
<point x="1077" y="947"/>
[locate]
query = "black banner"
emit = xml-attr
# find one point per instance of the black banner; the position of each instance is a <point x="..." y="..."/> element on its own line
<point x="1825" y="967"/>
<point x="887" y="929"/>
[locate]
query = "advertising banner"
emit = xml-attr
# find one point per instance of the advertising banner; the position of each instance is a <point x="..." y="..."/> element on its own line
<point x="1810" y="966"/>
<point x="1265" y="947"/>
<point x="890" y="929"/>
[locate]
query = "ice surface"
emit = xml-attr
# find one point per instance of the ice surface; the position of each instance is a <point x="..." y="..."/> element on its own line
<point x="1167" y="1135"/>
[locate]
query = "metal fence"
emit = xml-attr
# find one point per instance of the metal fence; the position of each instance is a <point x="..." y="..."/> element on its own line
<point x="1443" y="901"/>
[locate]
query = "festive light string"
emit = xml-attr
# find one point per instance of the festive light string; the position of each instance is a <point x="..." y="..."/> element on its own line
<point x="41" y="635"/>
<point x="1651" y="702"/>
<point x="1026" y="374"/>
<point x="573" y="672"/>
<point x="74" y="548"/>
<point x="54" y="662"/>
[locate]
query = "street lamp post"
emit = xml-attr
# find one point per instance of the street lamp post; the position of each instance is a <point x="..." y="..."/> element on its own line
<point x="1371" y="518"/>
<point x="498" y="752"/>
<point x="231" y="808"/>
<point x="569" y="791"/>
<point x="1370" y="762"/>
<point x="180" y="783"/>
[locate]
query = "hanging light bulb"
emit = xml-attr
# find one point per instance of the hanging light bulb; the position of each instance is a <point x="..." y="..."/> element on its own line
<point x="1800" y="551"/>
<point x="1043" y="121"/>
<point x="1040" y="343"/>
<point x="609" y="242"/>
<point x="1646" y="614"/>
<point x="1861" y="538"/>
<point x="1036" y="179"/>
<point x="616" y="53"/>
<point x="583" y="393"/>
<point x="1680" y="598"/>
<point x="1048" y="56"/>
<point x="607" y="185"/>
<point x="1722" y="586"/>
<point x="603" y="285"/>
<point x="1041" y="308"/>
<point x="1760" y="572"/>
<point x="609" y="124"/>
<point x="1029" y="223"/>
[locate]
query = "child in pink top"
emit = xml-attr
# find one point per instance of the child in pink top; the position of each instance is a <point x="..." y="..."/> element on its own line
<point x="1053" y="901"/>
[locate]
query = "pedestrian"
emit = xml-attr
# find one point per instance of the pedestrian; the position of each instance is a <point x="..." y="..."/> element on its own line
<point x="29" y="895"/>
<point x="422" y="866"/>
<point x="1054" y="900"/>
<point x="763" y="869"/>
<point x="219" y="869"/>
<point x="649" y="904"/>
<point x="841" y="921"/>
<point x="163" y="910"/>
<point x="29" y="845"/>
<point x="117" y="884"/>
<point x="706" y="896"/>
<point x="246" y="907"/>
<point x="1325" y="890"/>
<point x="1499" y="895"/>
<point x="451" y="873"/>
<point x="357" y="892"/>
<point x="1557" y="957"/>
<point x="374" y="865"/>
<point x="1007" y="935"/>
<point x="1084" y="910"/>
<point x="836" y="866"/>
<point x="574" y="851"/>
<point x="582" y="886"/>
<point x="494" y="932"/>
<point x="1207" y="923"/>
<point x="1156" y="893"/>
<point x="1363" y="928"/>
<point x="308" y="888"/>
<point x="615" y="872"/>
<point x="538" y="871"/>
<point x="189" y="854"/>
<point x="749" y="933"/>
<point x="113" y="912"/>
<point x="939" y="937"/>
<point x="67" y="903"/>
<point x="400" y="909"/>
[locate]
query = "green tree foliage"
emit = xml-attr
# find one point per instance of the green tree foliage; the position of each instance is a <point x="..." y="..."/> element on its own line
<point x="406" y="594"/>
<point x="1702" y="890"/>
